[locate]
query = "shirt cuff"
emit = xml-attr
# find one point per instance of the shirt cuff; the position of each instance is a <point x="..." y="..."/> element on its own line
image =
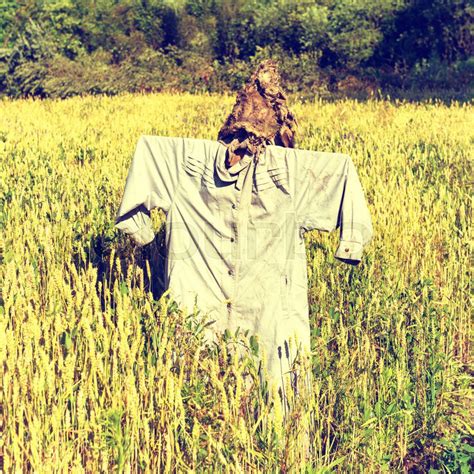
<point x="143" y="236"/>
<point x="138" y="227"/>
<point x="349" y="252"/>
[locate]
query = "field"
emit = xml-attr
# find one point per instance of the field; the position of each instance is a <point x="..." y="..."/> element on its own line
<point x="96" y="375"/>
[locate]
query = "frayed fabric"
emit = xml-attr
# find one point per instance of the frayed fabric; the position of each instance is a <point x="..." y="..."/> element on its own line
<point x="260" y="117"/>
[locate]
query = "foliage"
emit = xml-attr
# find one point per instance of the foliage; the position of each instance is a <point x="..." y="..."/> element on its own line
<point x="7" y="12"/>
<point x="98" y="374"/>
<point x="389" y="44"/>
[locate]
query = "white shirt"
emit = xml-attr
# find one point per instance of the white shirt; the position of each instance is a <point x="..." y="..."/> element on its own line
<point x="234" y="237"/>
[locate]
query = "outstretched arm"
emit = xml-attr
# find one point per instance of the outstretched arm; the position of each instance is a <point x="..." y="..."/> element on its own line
<point x="329" y="196"/>
<point x="151" y="183"/>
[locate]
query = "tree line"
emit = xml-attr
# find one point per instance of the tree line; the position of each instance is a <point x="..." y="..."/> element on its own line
<point x="59" y="48"/>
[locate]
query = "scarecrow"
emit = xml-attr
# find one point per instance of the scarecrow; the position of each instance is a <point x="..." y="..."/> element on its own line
<point x="237" y="209"/>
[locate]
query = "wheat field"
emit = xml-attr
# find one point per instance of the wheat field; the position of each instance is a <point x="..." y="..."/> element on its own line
<point x="97" y="375"/>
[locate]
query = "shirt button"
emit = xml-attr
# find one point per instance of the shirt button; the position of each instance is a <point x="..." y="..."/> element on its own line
<point x="346" y="250"/>
<point x="233" y="206"/>
<point x="230" y="272"/>
<point x="229" y="306"/>
<point x="232" y="239"/>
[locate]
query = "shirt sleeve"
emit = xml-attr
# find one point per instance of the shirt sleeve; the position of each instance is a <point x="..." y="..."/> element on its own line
<point x="151" y="183"/>
<point x="329" y="196"/>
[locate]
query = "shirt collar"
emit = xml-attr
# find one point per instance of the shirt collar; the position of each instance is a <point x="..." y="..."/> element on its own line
<point x="238" y="172"/>
<point x="235" y="173"/>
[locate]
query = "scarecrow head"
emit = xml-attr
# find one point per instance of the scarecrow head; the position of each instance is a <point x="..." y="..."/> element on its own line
<point x="260" y="116"/>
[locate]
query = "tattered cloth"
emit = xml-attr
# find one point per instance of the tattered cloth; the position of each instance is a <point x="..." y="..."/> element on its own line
<point x="260" y="117"/>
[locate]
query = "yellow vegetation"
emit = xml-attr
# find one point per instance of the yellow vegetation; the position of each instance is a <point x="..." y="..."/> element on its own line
<point x="96" y="375"/>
